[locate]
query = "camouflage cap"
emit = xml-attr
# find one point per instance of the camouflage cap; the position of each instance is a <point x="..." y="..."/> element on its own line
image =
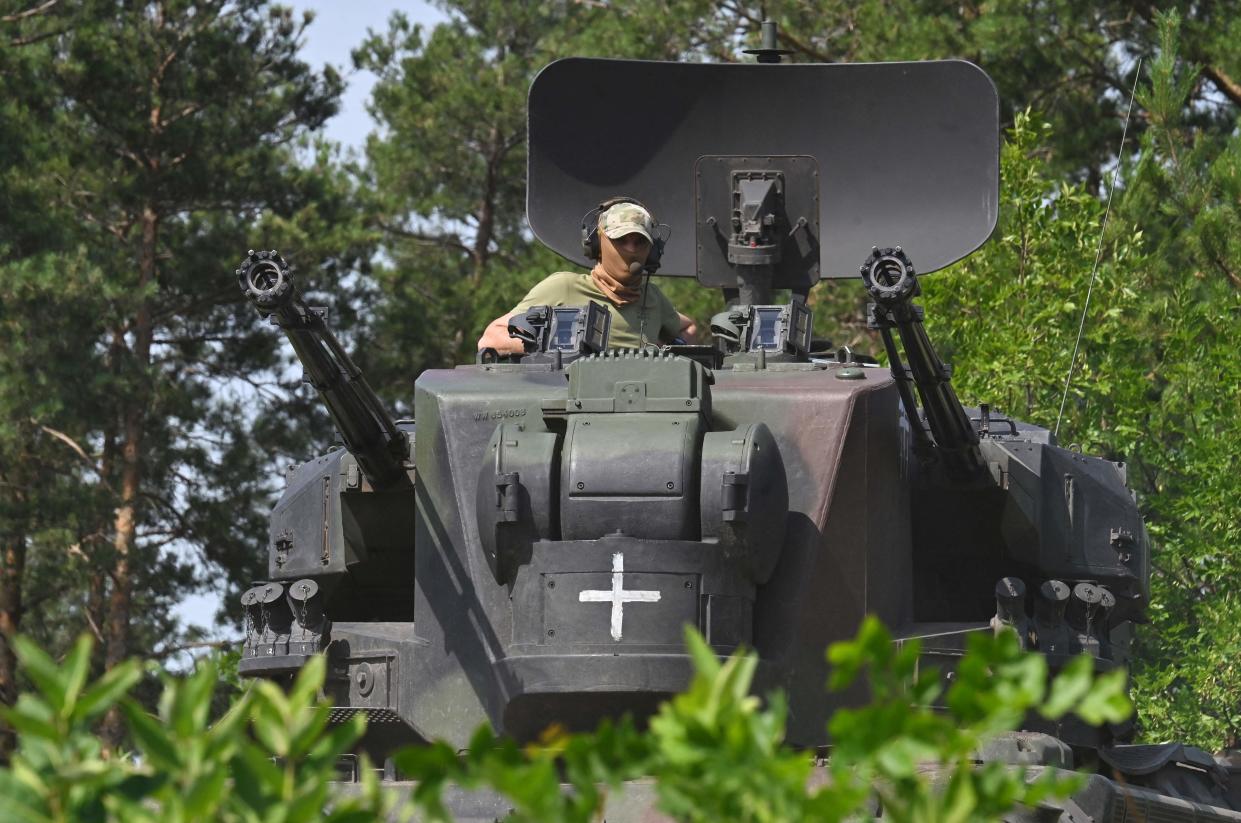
<point x="627" y="218"/>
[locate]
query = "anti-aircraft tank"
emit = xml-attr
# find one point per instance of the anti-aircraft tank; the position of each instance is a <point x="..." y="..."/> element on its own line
<point x="530" y="550"/>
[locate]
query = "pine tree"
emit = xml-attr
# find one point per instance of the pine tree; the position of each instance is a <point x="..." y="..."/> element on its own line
<point x="176" y="140"/>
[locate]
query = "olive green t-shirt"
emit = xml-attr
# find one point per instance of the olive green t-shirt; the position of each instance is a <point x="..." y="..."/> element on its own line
<point x="653" y="314"/>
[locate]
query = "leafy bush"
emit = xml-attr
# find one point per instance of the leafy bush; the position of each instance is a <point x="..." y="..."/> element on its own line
<point x="716" y="752"/>
<point x="269" y="757"/>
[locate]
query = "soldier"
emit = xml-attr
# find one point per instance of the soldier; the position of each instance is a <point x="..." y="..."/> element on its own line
<point x="640" y="312"/>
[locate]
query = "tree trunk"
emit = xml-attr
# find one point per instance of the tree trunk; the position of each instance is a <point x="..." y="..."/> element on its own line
<point x="96" y="614"/>
<point x="125" y="528"/>
<point x="480" y="254"/>
<point x="13" y="552"/>
<point x="13" y="531"/>
<point x="487" y="209"/>
<point x="133" y="428"/>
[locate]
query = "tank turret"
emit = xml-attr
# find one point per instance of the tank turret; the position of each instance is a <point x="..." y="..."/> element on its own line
<point x="341" y="540"/>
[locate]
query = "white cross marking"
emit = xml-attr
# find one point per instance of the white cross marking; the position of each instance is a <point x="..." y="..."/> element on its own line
<point x="617" y="595"/>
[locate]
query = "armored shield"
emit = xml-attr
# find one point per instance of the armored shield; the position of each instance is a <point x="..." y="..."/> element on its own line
<point x="896" y="153"/>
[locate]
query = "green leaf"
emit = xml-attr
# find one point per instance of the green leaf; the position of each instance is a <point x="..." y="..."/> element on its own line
<point x="42" y="670"/>
<point x="845" y="658"/>
<point x="899" y="758"/>
<point x="438" y="761"/>
<point x="76" y="669"/>
<point x="430" y="767"/>
<point x="269" y="726"/>
<point x="1070" y="685"/>
<point x="308" y="805"/>
<point x="31" y="717"/>
<point x="225" y="732"/>
<point x="338" y="739"/>
<point x="120" y="808"/>
<point x="23" y="803"/>
<point x="351" y="815"/>
<point x="960" y="799"/>
<point x="309" y="680"/>
<point x="309" y="728"/>
<point x="105" y="692"/>
<point x="205" y="794"/>
<point x="138" y="788"/>
<point x="705" y="661"/>
<point x="151" y="737"/>
<point x="191" y="702"/>
<point x="256" y="778"/>
<point x="1108" y="701"/>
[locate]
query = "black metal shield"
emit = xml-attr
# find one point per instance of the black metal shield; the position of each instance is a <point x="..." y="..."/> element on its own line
<point x="907" y="153"/>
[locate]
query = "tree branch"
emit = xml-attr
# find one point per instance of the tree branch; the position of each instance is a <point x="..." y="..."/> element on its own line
<point x="183" y="528"/>
<point x="30" y="12"/>
<point x="1227" y="86"/>
<point x="168" y="651"/>
<point x="94" y="627"/>
<point x="70" y="442"/>
<point x="35" y="38"/>
<point x="425" y="239"/>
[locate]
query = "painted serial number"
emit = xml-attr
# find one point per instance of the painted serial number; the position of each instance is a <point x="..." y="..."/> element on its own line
<point x="499" y="414"/>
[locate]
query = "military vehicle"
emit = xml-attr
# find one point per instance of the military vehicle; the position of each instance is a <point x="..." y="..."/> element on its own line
<point x="528" y="549"/>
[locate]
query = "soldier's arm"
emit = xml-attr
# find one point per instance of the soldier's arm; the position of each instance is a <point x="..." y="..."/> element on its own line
<point x="496" y="336"/>
<point x="689" y="329"/>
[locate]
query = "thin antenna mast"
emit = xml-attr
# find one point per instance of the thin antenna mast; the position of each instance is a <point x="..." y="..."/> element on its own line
<point x="1081" y="327"/>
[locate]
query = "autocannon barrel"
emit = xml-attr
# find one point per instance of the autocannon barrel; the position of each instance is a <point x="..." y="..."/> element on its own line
<point x="369" y="432"/>
<point x="889" y="277"/>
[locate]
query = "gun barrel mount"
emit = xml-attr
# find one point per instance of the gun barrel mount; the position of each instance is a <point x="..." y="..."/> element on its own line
<point x="368" y="430"/>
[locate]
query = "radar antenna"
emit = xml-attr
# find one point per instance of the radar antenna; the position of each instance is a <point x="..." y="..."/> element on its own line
<point x="770" y="51"/>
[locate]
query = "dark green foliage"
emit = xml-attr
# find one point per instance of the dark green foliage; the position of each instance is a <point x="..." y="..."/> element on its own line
<point x="447" y="177"/>
<point x="151" y="144"/>
<point x="269" y="757"/>
<point x="888" y="743"/>
<point x="1156" y="382"/>
<point x="52" y="493"/>
<point x="716" y="752"/>
<point x="1189" y="180"/>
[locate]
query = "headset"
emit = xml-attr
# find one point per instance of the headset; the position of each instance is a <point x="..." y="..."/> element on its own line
<point x="590" y="233"/>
